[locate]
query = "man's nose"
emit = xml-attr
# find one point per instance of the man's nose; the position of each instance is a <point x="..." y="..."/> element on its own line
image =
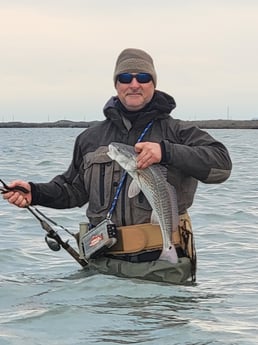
<point x="134" y="83"/>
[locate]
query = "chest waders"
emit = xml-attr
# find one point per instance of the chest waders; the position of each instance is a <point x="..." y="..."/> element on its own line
<point x="129" y="252"/>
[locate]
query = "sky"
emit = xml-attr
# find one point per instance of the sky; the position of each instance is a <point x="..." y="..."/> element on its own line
<point x="57" y="57"/>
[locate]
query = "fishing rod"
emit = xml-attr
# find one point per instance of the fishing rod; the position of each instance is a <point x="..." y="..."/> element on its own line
<point x="52" y="238"/>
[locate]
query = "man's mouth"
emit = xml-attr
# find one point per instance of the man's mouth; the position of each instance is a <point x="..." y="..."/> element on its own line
<point x="134" y="94"/>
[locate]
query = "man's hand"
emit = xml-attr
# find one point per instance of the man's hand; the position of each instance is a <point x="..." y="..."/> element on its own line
<point x="19" y="198"/>
<point x="149" y="153"/>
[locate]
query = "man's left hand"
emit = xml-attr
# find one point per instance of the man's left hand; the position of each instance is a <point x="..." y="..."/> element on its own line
<point x="149" y="153"/>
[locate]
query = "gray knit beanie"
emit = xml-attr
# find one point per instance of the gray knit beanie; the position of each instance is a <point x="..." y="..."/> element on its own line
<point x="132" y="60"/>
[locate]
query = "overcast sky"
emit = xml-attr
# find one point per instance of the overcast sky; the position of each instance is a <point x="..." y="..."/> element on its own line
<point x="57" y="56"/>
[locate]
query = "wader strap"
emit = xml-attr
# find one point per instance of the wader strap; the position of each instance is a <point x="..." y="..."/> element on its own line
<point x="147" y="236"/>
<point x="134" y="239"/>
<point x="137" y="238"/>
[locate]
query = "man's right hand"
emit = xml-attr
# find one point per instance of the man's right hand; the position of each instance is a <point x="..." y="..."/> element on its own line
<point x="19" y="198"/>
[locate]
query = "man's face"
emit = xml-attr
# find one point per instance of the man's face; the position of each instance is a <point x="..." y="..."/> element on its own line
<point x="134" y="95"/>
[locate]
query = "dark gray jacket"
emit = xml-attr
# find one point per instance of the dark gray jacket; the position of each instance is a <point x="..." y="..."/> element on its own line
<point x="190" y="154"/>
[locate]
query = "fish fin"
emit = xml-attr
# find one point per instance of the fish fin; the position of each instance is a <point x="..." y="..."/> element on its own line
<point x="133" y="189"/>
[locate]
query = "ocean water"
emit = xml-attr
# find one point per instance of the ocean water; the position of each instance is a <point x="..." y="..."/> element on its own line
<point x="46" y="298"/>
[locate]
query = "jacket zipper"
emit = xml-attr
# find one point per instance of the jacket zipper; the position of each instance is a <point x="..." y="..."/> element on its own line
<point x="102" y="184"/>
<point x="123" y="201"/>
<point x="141" y="197"/>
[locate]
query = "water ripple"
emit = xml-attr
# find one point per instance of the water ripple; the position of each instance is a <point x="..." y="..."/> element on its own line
<point x="47" y="299"/>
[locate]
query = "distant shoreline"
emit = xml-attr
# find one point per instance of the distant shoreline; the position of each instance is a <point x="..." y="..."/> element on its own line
<point x="207" y="124"/>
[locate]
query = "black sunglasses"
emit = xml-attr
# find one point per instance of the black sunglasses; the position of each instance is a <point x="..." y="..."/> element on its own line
<point x="126" y="78"/>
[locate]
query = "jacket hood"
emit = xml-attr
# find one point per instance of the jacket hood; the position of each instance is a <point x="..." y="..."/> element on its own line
<point x="159" y="107"/>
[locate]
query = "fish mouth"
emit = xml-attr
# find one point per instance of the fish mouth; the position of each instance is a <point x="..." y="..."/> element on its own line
<point x="123" y="157"/>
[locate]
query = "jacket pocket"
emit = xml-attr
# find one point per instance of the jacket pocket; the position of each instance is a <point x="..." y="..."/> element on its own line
<point x="141" y="202"/>
<point x="101" y="178"/>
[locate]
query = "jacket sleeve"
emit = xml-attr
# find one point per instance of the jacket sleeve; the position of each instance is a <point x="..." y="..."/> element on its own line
<point x="198" y="154"/>
<point x="63" y="191"/>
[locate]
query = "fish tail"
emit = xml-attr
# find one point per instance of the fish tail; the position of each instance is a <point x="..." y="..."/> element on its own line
<point x="169" y="254"/>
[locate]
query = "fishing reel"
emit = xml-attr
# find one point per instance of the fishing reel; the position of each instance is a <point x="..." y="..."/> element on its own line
<point x="52" y="237"/>
<point x="52" y="243"/>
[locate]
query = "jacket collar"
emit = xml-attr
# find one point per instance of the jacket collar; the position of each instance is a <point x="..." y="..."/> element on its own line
<point x="158" y="108"/>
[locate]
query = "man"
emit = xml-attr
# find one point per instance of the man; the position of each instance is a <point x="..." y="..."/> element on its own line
<point x="189" y="154"/>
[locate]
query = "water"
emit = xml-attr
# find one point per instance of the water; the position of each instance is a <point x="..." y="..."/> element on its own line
<point x="46" y="298"/>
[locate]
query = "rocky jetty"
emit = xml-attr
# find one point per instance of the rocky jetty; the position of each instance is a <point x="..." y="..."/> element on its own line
<point x="207" y="124"/>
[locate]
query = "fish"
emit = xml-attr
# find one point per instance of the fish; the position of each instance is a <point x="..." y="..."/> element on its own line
<point x="160" y="194"/>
